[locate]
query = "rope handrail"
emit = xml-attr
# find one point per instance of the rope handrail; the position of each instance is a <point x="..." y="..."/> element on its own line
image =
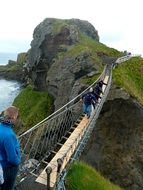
<point x="75" y="141"/>
<point x="86" y="136"/>
<point x="67" y="104"/>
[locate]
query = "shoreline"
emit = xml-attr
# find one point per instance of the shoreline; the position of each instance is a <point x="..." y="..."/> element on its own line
<point x="11" y="90"/>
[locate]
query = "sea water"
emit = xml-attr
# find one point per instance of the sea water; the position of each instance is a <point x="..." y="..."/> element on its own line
<point x="8" y="89"/>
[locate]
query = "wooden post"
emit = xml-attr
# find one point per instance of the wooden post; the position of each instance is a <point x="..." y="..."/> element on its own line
<point x="60" y="162"/>
<point x="48" y="171"/>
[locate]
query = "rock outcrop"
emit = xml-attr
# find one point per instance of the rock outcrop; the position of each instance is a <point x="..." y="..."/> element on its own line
<point x="14" y="69"/>
<point x="52" y="65"/>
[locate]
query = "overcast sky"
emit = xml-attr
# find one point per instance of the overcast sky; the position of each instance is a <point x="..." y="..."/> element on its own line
<point x="119" y="22"/>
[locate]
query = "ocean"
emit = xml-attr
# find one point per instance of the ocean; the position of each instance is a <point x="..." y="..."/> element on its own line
<point x="8" y="89"/>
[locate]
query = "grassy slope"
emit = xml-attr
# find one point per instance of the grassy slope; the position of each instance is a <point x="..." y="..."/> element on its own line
<point x="129" y="75"/>
<point x="92" y="47"/>
<point x="83" y="177"/>
<point x="34" y="106"/>
<point x="88" y="44"/>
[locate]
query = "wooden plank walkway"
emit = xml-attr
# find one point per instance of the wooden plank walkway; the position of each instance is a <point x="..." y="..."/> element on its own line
<point x="105" y="81"/>
<point x="66" y="151"/>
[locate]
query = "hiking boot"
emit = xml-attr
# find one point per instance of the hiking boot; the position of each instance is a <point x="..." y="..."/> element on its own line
<point x="88" y="116"/>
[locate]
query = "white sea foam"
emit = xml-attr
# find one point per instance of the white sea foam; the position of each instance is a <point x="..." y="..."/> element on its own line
<point x="8" y="91"/>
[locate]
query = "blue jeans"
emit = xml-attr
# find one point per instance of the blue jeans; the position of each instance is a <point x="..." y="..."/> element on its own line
<point x="10" y="174"/>
<point x="87" y="109"/>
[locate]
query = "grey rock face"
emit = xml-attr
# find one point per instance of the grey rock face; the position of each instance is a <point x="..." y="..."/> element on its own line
<point x="86" y="27"/>
<point x="116" y="145"/>
<point x="49" y="67"/>
<point x="51" y="33"/>
<point x="62" y="77"/>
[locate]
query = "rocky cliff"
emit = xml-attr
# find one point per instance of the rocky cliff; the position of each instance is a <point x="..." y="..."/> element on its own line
<point x="53" y="63"/>
<point x="62" y="53"/>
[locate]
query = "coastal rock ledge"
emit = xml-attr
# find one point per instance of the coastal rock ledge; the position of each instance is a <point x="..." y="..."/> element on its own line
<point x="52" y="57"/>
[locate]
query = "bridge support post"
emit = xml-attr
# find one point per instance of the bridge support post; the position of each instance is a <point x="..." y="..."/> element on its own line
<point x="48" y="171"/>
<point x="59" y="165"/>
<point x="60" y="162"/>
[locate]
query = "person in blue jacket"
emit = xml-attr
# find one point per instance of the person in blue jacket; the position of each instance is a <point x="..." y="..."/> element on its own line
<point x="9" y="148"/>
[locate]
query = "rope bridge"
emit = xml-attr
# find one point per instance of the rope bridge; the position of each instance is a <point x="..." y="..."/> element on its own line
<point x="75" y="143"/>
<point x="49" y="147"/>
<point x="41" y="143"/>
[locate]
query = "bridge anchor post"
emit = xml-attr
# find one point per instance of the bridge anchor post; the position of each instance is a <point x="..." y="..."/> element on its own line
<point x="59" y="165"/>
<point x="59" y="162"/>
<point x="48" y="171"/>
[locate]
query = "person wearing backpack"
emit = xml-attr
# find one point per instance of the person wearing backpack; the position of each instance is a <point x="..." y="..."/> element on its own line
<point x="9" y="148"/>
<point x="98" y="88"/>
<point x="88" y="100"/>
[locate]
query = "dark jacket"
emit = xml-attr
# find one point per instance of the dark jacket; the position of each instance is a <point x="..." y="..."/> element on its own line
<point x="88" y="98"/>
<point x="100" y="83"/>
<point x="98" y="90"/>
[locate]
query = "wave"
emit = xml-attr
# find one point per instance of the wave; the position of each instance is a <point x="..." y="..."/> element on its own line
<point x="8" y="91"/>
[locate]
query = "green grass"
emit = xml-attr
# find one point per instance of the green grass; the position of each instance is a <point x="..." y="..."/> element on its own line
<point x="97" y="47"/>
<point x="86" y="43"/>
<point x="33" y="106"/>
<point x="84" y="177"/>
<point x="129" y="75"/>
<point x="91" y="48"/>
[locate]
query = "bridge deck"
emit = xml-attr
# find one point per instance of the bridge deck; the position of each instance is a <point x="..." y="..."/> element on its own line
<point x="66" y="150"/>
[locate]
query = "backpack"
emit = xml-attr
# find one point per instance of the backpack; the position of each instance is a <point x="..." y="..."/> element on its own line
<point x="1" y="175"/>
